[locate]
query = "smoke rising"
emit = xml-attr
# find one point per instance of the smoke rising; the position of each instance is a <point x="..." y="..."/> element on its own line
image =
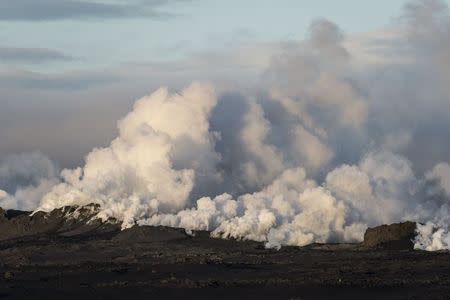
<point x="324" y="149"/>
<point x="24" y="179"/>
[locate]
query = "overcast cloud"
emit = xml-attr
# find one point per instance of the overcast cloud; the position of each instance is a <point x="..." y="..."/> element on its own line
<point x="31" y="55"/>
<point x="51" y="10"/>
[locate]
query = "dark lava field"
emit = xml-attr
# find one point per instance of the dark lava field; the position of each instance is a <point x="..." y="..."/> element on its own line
<point x="47" y="256"/>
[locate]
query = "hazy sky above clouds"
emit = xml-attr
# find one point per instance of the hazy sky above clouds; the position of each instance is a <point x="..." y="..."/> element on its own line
<point x="55" y="35"/>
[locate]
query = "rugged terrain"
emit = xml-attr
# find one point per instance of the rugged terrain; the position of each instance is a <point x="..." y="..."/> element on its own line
<point x="64" y="254"/>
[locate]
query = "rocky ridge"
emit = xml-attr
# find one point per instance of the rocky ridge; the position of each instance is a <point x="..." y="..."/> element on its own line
<point x="82" y="221"/>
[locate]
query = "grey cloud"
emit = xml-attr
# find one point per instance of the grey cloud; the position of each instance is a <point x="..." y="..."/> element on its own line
<point x="25" y="169"/>
<point x="50" y="10"/>
<point x="31" y="55"/>
<point x="67" y="81"/>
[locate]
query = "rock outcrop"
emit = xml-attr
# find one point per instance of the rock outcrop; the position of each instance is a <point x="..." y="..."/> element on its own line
<point x="395" y="236"/>
<point x="74" y="221"/>
<point x="65" y="221"/>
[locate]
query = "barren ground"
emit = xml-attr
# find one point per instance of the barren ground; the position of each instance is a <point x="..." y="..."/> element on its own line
<point x="167" y="263"/>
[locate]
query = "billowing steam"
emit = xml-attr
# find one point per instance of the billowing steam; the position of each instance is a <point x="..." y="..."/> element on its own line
<point x="326" y="148"/>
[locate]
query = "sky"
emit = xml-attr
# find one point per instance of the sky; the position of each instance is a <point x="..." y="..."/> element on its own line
<point x="53" y="36"/>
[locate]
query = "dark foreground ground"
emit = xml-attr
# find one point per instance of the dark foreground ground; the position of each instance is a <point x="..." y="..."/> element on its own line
<point x="164" y="263"/>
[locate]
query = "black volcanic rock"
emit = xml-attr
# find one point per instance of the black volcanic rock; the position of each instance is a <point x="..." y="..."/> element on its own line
<point x="70" y="254"/>
<point x="395" y="236"/>
<point x="65" y="221"/>
<point x="150" y="234"/>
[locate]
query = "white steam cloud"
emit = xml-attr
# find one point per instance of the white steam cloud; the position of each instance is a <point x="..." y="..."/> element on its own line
<point x="325" y="149"/>
<point x="164" y="148"/>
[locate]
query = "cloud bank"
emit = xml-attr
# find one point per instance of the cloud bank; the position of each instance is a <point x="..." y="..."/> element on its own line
<point x="53" y="10"/>
<point x="31" y="55"/>
<point x="317" y="150"/>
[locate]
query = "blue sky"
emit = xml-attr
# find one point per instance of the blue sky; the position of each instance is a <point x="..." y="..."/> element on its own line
<point x="89" y="41"/>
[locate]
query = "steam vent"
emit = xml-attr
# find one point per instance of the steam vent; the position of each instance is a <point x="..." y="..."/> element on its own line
<point x="395" y="236"/>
